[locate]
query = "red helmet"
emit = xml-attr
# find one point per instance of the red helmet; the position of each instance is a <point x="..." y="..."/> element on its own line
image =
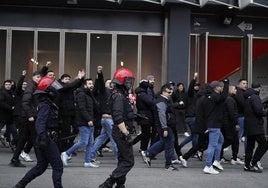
<point x="44" y="82"/>
<point x="121" y="74"/>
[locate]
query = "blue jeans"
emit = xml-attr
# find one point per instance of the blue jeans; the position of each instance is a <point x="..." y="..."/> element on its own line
<point x="240" y="121"/>
<point x="106" y="132"/>
<point x="214" y="145"/>
<point x="164" y="143"/>
<point x="193" y="137"/>
<point x="86" y="140"/>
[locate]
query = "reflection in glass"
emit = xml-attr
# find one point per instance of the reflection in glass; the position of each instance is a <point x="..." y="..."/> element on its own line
<point x="48" y="50"/>
<point x="75" y="53"/>
<point x="100" y="54"/>
<point x="127" y="52"/>
<point x="151" y="63"/>
<point x="21" y="53"/>
<point x="3" y="35"/>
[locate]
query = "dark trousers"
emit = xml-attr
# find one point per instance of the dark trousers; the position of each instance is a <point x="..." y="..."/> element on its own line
<point x="66" y="133"/>
<point x="234" y="142"/>
<point x="201" y="145"/>
<point x="50" y="155"/>
<point x="145" y="136"/>
<point x="28" y="135"/>
<point x="125" y="157"/>
<point x="259" y="152"/>
<point x="176" y="141"/>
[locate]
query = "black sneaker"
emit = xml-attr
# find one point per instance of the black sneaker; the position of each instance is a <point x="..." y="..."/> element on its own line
<point x="16" y="163"/>
<point x="171" y="168"/>
<point x="254" y="168"/>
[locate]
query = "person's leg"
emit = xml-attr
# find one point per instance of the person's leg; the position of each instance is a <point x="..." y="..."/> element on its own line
<point x="37" y="170"/>
<point x="90" y="144"/>
<point x="53" y="156"/>
<point x="218" y="148"/>
<point x="249" y="150"/>
<point x="213" y="142"/>
<point x="145" y="138"/>
<point x="260" y="150"/>
<point x="84" y="136"/>
<point x="169" y="148"/>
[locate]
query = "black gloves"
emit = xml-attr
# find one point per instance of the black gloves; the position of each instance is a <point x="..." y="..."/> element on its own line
<point x="226" y="81"/>
<point x="42" y="141"/>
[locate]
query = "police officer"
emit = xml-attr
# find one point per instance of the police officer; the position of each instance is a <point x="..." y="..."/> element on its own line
<point x="46" y="126"/>
<point x="122" y="115"/>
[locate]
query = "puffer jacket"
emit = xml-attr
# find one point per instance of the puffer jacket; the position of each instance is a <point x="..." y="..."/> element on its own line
<point x="144" y="105"/>
<point x="84" y="110"/>
<point x="254" y="113"/>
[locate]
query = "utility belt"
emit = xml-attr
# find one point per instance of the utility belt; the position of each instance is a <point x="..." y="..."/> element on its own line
<point x="53" y="135"/>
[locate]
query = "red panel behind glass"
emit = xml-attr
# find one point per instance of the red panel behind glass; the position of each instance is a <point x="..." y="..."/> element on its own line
<point x="224" y="57"/>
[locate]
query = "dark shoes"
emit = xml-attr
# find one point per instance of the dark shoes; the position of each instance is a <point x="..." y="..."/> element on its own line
<point x="253" y="168"/>
<point x="16" y="163"/>
<point x="120" y="186"/>
<point x="109" y="182"/>
<point x="19" y="185"/>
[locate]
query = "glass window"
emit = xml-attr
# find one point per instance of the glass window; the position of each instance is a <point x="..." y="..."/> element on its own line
<point x="100" y="54"/>
<point x="127" y="53"/>
<point x="21" y="53"/>
<point x="151" y="62"/>
<point x="3" y="35"/>
<point x="75" y="53"/>
<point x="48" y="50"/>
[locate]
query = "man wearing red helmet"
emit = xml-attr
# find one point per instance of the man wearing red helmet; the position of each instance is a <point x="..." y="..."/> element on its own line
<point x="46" y="126"/>
<point x="122" y="115"/>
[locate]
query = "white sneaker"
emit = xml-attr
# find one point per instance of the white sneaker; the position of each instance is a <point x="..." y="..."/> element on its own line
<point x="210" y="170"/>
<point x="26" y="157"/>
<point x="106" y="149"/>
<point x="175" y="161"/>
<point x="64" y="158"/>
<point x="186" y="134"/>
<point x="183" y="162"/>
<point x="259" y="165"/>
<point x="237" y="161"/>
<point x="217" y="165"/>
<point x="143" y="155"/>
<point x="91" y="164"/>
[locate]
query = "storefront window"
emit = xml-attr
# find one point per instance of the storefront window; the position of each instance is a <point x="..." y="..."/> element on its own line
<point x="48" y="50"/>
<point x="127" y="52"/>
<point x="3" y="35"/>
<point x="100" y="54"/>
<point x="21" y="54"/>
<point x="75" y="53"/>
<point x="151" y="61"/>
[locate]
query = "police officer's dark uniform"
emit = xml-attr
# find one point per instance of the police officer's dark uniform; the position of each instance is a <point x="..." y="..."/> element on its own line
<point x="122" y="113"/>
<point x="46" y="124"/>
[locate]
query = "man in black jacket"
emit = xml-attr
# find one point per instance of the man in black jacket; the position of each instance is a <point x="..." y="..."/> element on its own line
<point x="230" y="126"/>
<point x="213" y="119"/>
<point x="145" y="106"/>
<point x="254" y="128"/>
<point x="28" y="115"/>
<point x="66" y="105"/>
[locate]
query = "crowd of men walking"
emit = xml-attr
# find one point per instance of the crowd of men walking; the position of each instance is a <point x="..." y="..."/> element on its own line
<point x="47" y="114"/>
